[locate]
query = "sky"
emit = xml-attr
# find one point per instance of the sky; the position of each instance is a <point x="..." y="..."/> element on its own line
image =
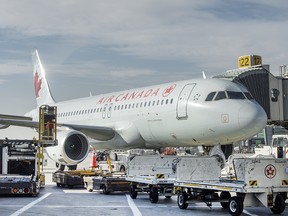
<point x="97" y="46"/>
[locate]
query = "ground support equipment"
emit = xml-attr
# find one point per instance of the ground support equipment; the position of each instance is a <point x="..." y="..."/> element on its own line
<point x="153" y="174"/>
<point x="259" y="182"/>
<point x="107" y="183"/>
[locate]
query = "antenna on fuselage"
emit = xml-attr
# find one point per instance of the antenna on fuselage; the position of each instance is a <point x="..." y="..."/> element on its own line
<point x="204" y="75"/>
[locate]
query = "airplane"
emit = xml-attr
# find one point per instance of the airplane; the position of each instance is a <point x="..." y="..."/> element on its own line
<point x="187" y="113"/>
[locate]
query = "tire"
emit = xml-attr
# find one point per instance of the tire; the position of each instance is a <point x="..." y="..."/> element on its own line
<point x="153" y="195"/>
<point x="104" y="189"/>
<point x="58" y="184"/>
<point x="182" y="200"/>
<point x="235" y="206"/>
<point x="284" y="194"/>
<point x="133" y="192"/>
<point x="225" y="195"/>
<point x="122" y="168"/>
<point x="279" y="205"/>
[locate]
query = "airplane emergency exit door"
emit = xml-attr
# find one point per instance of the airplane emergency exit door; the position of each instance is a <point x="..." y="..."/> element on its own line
<point x="183" y="101"/>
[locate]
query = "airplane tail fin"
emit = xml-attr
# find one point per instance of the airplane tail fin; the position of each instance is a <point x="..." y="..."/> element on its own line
<point x="42" y="90"/>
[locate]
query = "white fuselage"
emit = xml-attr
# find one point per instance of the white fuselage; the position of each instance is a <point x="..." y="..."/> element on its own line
<point x="171" y="114"/>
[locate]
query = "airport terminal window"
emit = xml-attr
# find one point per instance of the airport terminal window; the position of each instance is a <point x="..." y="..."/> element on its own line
<point x="210" y="96"/>
<point x="220" y="95"/>
<point x="235" y="95"/>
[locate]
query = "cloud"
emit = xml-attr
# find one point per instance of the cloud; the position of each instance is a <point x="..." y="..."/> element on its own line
<point x="126" y="73"/>
<point x="14" y="67"/>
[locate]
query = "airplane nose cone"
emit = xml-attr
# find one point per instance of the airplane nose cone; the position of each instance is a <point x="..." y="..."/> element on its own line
<point x="252" y="118"/>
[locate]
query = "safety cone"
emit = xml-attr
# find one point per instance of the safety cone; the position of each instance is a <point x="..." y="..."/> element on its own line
<point x="94" y="162"/>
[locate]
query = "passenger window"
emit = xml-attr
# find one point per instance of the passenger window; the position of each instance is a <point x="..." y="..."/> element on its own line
<point x="171" y="101"/>
<point x="210" y="96"/>
<point x="167" y="100"/>
<point x="157" y="102"/>
<point x="162" y="102"/>
<point x="220" y="95"/>
<point x="149" y="103"/>
<point x="235" y="95"/>
<point x="153" y="103"/>
<point x="145" y="104"/>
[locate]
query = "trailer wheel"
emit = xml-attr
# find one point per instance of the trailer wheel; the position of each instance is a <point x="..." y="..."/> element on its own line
<point x="153" y="195"/>
<point x="225" y="195"/>
<point x="284" y="194"/>
<point x="104" y="189"/>
<point x="122" y="168"/>
<point x="133" y="192"/>
<point x="182" y="200"/>
<point x="279" y="205"/>
<point x="235" y="206"/>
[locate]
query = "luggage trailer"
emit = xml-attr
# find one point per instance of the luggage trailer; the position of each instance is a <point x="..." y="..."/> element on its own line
<point x="259" y="182"/>
<point x="153" y="174"/>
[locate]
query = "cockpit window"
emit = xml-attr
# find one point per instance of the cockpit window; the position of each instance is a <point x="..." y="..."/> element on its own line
<point x="248" y="96"/>
<point x="235" y="95"/>
<point x="238" y="95"/>
<point x="210" y="96"/>
<point x="220" y="95"/>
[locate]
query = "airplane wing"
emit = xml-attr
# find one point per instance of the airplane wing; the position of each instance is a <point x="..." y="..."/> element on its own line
<point x="23" y="121"/>
<point x="96" y="132"/>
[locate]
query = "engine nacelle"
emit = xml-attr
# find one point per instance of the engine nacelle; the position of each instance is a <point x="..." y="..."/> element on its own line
<point x="72" y="148"/>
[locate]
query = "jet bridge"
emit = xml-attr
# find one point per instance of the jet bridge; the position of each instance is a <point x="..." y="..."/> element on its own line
<point x="270" y="91"/>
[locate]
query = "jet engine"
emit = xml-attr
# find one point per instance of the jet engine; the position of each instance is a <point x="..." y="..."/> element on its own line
<point x="72" y="148"/>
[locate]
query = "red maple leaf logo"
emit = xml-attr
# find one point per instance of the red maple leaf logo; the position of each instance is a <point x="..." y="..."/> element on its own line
<point x="37" y="84"/>
<point x="168" y="90"/>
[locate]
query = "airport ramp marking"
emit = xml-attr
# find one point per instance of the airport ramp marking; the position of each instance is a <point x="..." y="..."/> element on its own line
<point x="133" y="207"/>
<point x="25" y="208"/>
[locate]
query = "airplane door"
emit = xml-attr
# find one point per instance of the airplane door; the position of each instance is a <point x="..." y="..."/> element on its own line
<point x="109" y="110"/>
<point x="104" y="111"/>
<point x="183" y="101"/>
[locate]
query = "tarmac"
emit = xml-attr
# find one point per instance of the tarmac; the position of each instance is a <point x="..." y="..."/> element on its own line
<point x="54" y="200"/>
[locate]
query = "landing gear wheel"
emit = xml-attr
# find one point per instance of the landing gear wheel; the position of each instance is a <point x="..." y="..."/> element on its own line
<point x="104" y="189"/>
<point x="279" y="205"/>
<point x="133" y="192"/>
<point x="235" y="206"/>
<point x="225" y="195"/>
<point x="182" y="200"/>
<point x="153" y="195"/>
<point x="122" y="168"/>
